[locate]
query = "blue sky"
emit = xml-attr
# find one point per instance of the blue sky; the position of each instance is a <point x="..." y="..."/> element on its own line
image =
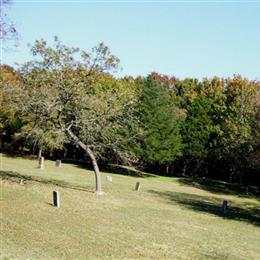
<point x="189" y="39"/>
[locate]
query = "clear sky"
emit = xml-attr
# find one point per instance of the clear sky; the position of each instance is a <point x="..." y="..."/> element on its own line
<point x="185" y="39"/>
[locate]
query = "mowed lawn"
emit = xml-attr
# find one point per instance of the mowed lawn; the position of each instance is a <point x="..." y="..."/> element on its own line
<point x="167" y="219"/>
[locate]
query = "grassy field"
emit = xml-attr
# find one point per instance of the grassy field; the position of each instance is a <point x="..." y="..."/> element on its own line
<point x="168" y="218"/>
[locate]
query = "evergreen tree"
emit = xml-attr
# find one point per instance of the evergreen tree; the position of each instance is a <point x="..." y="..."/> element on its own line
<point x="196" y="132"/>
<point x="197" y="127"/>
<point x="160" y="140"/>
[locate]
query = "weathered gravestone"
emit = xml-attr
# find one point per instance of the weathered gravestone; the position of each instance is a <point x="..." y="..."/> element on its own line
<point x="224" y="206"/>
<point x="58" y="163"/>
<point x="41" y="163"/>
<point x="109" y="178"/>
<point x="137" y="186"/>
<point x="56" y="199"/>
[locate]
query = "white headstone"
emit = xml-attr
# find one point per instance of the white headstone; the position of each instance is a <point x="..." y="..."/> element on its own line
<point x="109" y="178"/>
<point x="41" y="163"/>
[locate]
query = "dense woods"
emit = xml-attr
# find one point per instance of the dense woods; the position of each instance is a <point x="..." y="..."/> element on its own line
<point x="68" y="104"/>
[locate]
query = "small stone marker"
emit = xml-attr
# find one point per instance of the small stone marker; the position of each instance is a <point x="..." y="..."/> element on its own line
<point x="224" y="206"/>
<point x="137" y="186"/>
<point x="109" y="178"/>
<point x="41" y="163"/>
<point x="56" y="199"/>
<point x="21" y="181"/>
<point x="58" y="163"/>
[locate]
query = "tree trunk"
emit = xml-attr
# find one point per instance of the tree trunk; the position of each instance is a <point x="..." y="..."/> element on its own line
<point x="96" y="170"/>
<point x="87" y="149"/>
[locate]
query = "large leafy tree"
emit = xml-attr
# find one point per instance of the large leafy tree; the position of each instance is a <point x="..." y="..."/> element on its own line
<point x="9" y="122"/>
<point x="237" y="128"/>
<point x="67" y="94"/>
<point x="234" y="109"/>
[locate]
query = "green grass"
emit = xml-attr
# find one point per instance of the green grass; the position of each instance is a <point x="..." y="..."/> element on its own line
<point x="169" y="218"/>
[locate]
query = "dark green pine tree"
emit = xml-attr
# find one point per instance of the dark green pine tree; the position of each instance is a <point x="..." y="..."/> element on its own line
<point x="196" y="132"/>
<point x="197" y="128"/>
<point x="160" y="140"/>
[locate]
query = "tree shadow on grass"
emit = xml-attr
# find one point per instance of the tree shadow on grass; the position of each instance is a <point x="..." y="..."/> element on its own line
<point x="16" y="177"/>
<point x="23" y="155"/>
<point x="82" y="164"/>
<point x="221" y="187"/>
<point x="211" y="205"/>
<point x="126" y="170"/>
<point x="117" y="169"/>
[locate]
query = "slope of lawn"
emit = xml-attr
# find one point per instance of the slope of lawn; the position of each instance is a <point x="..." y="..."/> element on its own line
<point x="169" y="218"/>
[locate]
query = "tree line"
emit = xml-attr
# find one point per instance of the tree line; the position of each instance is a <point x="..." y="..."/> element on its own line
<point x="68" y="104"/>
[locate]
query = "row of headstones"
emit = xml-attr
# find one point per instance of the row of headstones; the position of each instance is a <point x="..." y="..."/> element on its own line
<point x="56" y="199"/>
<point x="41" y="163"/>
<point x="56" y="195"/>
<point x="109" y="178"/>
<point x="137" y="185"/>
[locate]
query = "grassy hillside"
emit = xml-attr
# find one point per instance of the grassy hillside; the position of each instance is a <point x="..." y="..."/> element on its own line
<point x="168" y="218"/>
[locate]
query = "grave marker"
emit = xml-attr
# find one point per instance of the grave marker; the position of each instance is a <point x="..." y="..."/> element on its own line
<point x="58" y="163"/>
<point x="224" y="206"/>
<point x="56" y="199"/>
<point x="109" y="178"/>
<point x="41" y="163"/>
<point x="137" y="186"/>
